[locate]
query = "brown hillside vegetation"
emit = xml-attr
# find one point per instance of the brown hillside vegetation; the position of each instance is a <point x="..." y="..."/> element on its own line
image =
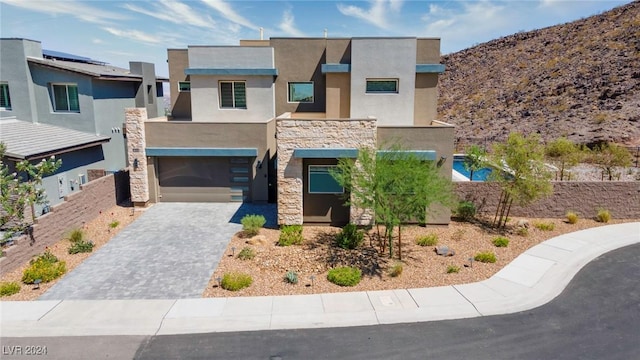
<point x="580" y="80"/>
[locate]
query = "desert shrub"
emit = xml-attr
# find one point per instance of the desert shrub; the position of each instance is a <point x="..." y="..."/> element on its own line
<point x="545" y="226"/>
<point x="235" y="281"/>
<point x="396" y="270"/>
<point x="500" y="241"/>
<point x="603" y="216"/>
<point x="76" y="235"/>
<point x="466" y="210"/>
<point x="251" y="224"/>
<point x="572" y="217"/>
<point x="523" y="231"/>
<point x="246" y="253"/>
<point x="350" y="237"/>
<point x="427" y="240"/>
<point x="345" y="276"/>
<point x="290" y="235"/>
<point x="114" y="224"/>
<point x="452" y="269"/>
<point x="485" y="257"/>
<point x="291" y="277"/>
<point x="9" y="288"/>
<point x="81" y="247"/>
<point x="45" y="267"/>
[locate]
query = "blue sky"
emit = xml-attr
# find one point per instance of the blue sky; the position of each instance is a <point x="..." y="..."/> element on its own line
<point x="119" y="31"/>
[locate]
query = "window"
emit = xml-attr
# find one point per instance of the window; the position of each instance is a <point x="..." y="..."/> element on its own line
<point x="184" y="86"/>
<point x="5" y="99"/>
<point x="233" y="95"/>
<point x="382" y="86"/>
<point x="65" y="97"/>
<point x="321" y="181"/>
<point x="301" y="92"/>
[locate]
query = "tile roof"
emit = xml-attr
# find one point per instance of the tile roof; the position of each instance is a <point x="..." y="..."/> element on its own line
<point x="92" y="69"/>
<point x="27" y="140"/>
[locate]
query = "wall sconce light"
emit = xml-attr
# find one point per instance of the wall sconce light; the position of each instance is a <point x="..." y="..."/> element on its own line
<point x="259" y="165"/>
<point x="136" y="164"/>
<point x="441" y="161"/>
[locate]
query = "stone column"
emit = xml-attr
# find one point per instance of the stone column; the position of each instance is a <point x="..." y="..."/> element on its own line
<point x="136" y="143"/>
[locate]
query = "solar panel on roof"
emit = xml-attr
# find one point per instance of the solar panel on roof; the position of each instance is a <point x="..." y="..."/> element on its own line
<point x="66" y="56"/>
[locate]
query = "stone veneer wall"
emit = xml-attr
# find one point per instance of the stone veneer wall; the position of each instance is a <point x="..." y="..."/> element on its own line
<point x="317" y="133"/>
<point x="78" y="208"/>
<point x="136" y="143"/>
<point x="621" y="198"/>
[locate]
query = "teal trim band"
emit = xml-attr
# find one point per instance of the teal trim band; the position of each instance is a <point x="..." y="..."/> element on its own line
<point x="430" y="68"/>
<point x="335" y="68"/>
<point x="420" y="154"/>
<point x="195" y="71"/>
<point x="328" y="153"/>
<point x="180" y="151"/>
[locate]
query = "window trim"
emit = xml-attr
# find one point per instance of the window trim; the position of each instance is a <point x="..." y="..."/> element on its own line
<point x="53" y="97"/>
<point x="313" y="95"/>
<point x="4" y="88"/>
<point x="233" y="91"/>
<point x="184" y="82"/>
<point x="309" y="191"/>
<point x="395" y="80"/>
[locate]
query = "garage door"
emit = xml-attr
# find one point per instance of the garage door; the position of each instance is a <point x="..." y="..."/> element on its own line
<point x="204" y="179"/>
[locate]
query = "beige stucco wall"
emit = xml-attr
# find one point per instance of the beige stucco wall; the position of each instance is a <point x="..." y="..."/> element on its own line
<point x="178" y="60"/>
<point x="426" y="99"/>
<point x="329" y="133"/>
<point x="338" y="95"/>
<point x="428" y="51"/>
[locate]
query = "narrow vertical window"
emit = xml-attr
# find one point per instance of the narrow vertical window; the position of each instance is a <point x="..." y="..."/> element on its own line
<point x="5" y="98"/>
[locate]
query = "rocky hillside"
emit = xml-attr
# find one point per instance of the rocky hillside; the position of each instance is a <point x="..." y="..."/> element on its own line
<point x="580" y="79"/>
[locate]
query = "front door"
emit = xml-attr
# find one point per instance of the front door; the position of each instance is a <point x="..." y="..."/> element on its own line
<point x="323" y="199"/>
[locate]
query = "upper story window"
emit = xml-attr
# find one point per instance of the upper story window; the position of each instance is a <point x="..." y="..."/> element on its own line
<point x="382" y="86"/>
<point x="233" y="95"/>
<point x="301" y="92"/>
<point x="65" y="98"/>
<point x="184" y="86"/>
<point x="5" y="99"/>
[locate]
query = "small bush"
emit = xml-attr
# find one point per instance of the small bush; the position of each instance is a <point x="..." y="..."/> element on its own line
<point x="452" y="269"/>
<point x="246" y="253"/>
<point x="9" y="288"/>
<point x="45" y="267"/>
<point x="81" y="247"/>
<point x="76" y="235"/>
<point x="572" y="217"/>
<point x="427" y="240"/>
<point x="466" y="210"/>
<point x="485" y="257"/>
<point x="523" y="231"/>
<point x="603" y="216"/>
<point x="345" y="276"/>
<point x="396" y="270"/>
<point x="251" y="224"/>
<point x="291" y="277"/>
<point x="545" y="226"/>
<point x="290" y="235"/>
<point x="350" y="237"/>
<point x="114" y="224"/>
<point x="500" y="241"/>
<point x="235" y="281"/>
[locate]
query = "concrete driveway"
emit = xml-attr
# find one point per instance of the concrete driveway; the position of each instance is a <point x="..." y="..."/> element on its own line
<point x="169" y="252"/>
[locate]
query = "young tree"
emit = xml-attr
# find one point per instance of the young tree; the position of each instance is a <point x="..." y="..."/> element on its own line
<point x="474" y="160"/>
<point x="563" y="153"/>
<point x="396" y="185"/>
<point x="610" y="156"/>
<point x="20" y="189"/>
<point x="524" y="178"/>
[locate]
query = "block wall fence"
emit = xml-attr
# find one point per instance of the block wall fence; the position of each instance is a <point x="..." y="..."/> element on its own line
<point x="78" y="208"/>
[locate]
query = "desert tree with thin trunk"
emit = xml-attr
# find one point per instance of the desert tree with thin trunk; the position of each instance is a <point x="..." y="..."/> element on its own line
<point x="523" y="178"/>
<point x="474" y="160"/>
<point x="564" y="154"/>
<point x="396" y="185"/>
<point x="609" y="156"/>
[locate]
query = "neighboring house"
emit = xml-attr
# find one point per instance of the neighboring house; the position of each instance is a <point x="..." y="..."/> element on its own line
<point x="73" y="107"/>
<point x="266" y="120"/>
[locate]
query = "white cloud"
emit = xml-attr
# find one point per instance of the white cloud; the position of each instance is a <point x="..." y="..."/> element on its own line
<point x="70" y="7"/>
<point x="97" y="41"/>
<point x="135" y="35"/>
<point x="174" y="12"/>
<point x="225" y="9"/>
<point x="288" y="26"/>
<point x="376" y="14"/>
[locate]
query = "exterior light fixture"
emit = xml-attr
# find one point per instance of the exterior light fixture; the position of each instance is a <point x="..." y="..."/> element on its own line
<point x="136" y="164"/>
<point x="471" y="262"/>
<point x="441" y="161"/>
<point x="312" y="277"/>
<point x="219" y="280"/>
<point x="259" y="165"/>
<point x="36" y="284"/>
<point x="233" y="251"/>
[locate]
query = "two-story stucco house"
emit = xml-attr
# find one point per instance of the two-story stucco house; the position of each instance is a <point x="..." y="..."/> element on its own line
<point x="73" y="107"/>
<point x="265" y="121"/>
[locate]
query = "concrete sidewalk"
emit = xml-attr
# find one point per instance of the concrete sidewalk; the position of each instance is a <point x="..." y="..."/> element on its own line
<point x="531" y="280"/>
